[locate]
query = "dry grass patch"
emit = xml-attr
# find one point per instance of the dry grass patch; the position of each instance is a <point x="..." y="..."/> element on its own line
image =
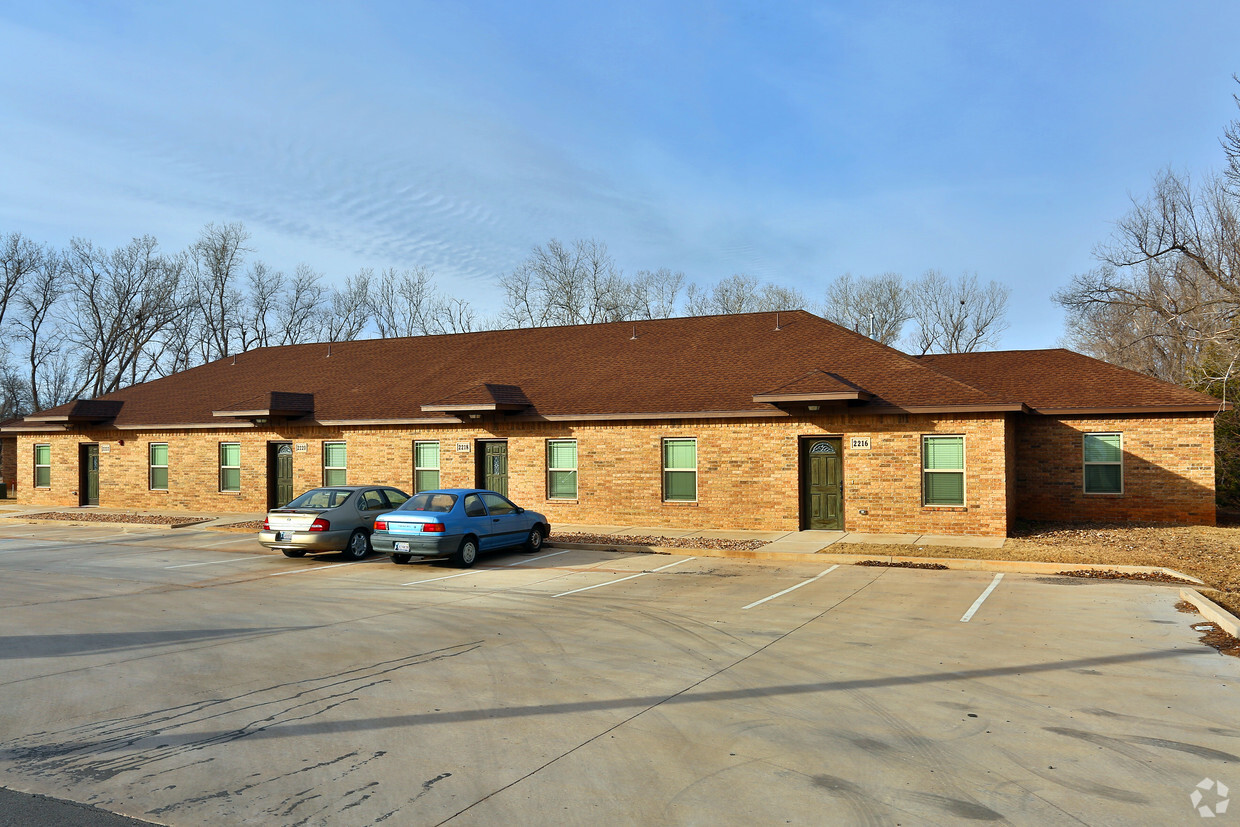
<point x="1209" y="553"/>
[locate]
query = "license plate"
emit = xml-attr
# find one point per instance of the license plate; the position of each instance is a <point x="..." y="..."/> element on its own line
<point x="400" y="546"/>
<point x="283" y="535"/>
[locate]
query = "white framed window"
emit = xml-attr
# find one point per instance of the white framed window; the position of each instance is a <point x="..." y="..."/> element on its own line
<point x="230" y="466"/>
<point x="425" y="466"/>
<point x="561" y="469"/>
<point x="942" y="470"/>
<point x="158" y="476"/>
<point x="680" y="470"/>
<point x="335" y="464"/>
<point x="43" y="466"/>
<point x="1103" y="459"/>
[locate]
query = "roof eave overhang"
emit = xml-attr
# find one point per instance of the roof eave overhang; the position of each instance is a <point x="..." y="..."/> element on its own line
<point x="261" y="413"/>
<point x="1203" y="407"/>
<point x="841" y="396"/>
<point x="480" y="407"/>
<point x="47" y="428"/>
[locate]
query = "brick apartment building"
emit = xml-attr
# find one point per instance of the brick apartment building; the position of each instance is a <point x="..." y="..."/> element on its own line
<point x="766" y="421"/>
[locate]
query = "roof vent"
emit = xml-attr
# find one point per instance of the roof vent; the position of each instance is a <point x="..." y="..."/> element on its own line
<point x="634" y="336"/>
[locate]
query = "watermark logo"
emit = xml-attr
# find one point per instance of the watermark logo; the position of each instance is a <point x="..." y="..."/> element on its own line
<point x="1200" y="796"/>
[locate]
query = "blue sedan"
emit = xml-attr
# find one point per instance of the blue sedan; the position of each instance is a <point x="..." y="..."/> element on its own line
<point x="457" y="523"/>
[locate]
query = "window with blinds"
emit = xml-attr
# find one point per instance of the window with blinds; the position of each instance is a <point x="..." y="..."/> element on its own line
<point x="335" y="464"/>
<point x="159" y="466"/>
<point x="425" y="466"/>
<point x="942" y="470"/>
<point x="562" y="469"/>
<point x="680" y="470"/>
<point x="230" y="466"/>
<point x="1104" y="463"/>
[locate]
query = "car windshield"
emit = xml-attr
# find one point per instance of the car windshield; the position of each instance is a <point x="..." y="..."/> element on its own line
<point x="430" y="501"/>
<point x="322" y="498"/>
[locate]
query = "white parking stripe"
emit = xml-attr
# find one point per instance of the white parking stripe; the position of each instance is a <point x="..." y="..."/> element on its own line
<point x="622" y="579"/>
<point x="791" y="589"/>
<point x="977" y="604"/>
<point x="238" y="558"/>
<point x="323" y="568"/>
<point x="479" y="571"/>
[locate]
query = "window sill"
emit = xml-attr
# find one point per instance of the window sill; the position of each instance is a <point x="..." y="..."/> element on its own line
<point x="1103" y="493"/>
<point x="690" y="503"/>
<point x="560" y="501"/>
<point x="961" y="508"/>
<point x="158" y="490"/>
<point x="230" y="493"/>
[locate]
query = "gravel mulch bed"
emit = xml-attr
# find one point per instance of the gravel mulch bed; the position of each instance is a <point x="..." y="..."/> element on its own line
<point x="1211" y="633"/>
<point x="654" y="540"/>
<point x="96" y="517"/>
<point x="1112" y="574"/>
<point x="902" y="564"/>
<point x="248" y="525"/>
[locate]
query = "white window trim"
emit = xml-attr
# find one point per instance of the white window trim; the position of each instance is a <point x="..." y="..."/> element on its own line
<point x="664" y="469"/>
<point x="963" y="471"/>
<point x="576" y="476"/>
<point x="344" y="467"/>
<point x="438" y="469"/>
<point x="151" y="466"/>
<point x="37" y="466"/>
<point x="220" y="454"/>
<point x="1085" y="464"/>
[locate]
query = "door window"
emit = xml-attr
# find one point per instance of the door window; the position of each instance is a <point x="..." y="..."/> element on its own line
<point x="474" y="506"/>
<point x="372" y="500"/>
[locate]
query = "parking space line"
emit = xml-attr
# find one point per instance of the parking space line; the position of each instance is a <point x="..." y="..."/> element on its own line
<point x="977" y="604"/>
<point x="541" y="557"/>
<point x="323" y="568"/>
<point x="791" y="589"/>
<point x="622" y="579"/>
<point x="217" y="562"/>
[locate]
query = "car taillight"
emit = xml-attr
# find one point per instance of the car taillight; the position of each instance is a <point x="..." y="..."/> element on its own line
<point x="266" y="524"/>
<point x="432" y="526"/>
<point x="380" y="525"/>
<point x="320" y="525"/>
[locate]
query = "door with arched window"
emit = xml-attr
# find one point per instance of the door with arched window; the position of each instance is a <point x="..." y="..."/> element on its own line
<point x="822" y="484"/>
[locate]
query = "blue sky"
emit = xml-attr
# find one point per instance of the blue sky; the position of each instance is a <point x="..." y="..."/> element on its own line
<point x="791" y="141"/>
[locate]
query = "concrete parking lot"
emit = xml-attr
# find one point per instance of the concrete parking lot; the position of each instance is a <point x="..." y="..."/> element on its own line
<point x="190" y="677"/>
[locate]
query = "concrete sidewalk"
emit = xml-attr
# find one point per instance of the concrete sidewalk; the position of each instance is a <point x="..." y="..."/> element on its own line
<point x="803" y="542"/>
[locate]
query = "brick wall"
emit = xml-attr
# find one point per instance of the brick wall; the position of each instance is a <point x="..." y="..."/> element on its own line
<point x="748" y="470"/>
<point x="1168" y="469"/>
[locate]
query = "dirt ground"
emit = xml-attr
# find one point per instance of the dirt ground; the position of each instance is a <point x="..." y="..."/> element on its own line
<point x="1210" y="553"/>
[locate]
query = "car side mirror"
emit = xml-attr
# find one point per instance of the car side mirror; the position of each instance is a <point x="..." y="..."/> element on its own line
<point x="520" y="510"/>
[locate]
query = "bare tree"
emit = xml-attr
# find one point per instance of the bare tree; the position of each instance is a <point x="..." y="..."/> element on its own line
<point x="656" y="294"/>
<point x="402" y="302"/>
<point x="452" y="315"/>
<point x="216" y="261"/>
<point x="1231" y="147"/>
<point x="741" y="294"/>
<point x="560" y="285"/>
<point x="298" y="316"/>
<point x="958" y="316"/>
<point x="118" y="304"/>
<point x="19" y="258"/>
<point x="1169" y="281"/>
<point x="51" y="365"/>
<point x="875" y="306"/>
<point x="264" y="297"/>
<point x="347" y="309"/>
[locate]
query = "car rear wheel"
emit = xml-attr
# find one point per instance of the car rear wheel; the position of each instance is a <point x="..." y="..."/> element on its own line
<point x="466" y="554"/>
<point x="401" y="559"/>
<point x="535" y="540"/>
<point x="359" y="545"/>
<point x="293" y="552"/>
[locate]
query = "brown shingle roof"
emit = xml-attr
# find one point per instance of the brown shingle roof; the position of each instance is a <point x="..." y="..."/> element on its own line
<point x="710" y="365"/>
<point x="1062" y="381"/>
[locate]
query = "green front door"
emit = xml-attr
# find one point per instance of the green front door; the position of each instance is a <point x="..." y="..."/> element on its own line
<point x="88" y="484"/>
<point x="494" y="471"/>
<point x="279" y="474"/>
<point x="823" y="484"/>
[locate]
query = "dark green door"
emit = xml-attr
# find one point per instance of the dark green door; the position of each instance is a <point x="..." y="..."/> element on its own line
<point x="823" y="483"/>
<point x="494" y="471"/>
<point x="89" y="482"/>
<point x="279" y="474"/>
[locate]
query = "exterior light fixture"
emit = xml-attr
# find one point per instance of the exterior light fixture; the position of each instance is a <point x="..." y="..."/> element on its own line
<point x="815" y="407"/>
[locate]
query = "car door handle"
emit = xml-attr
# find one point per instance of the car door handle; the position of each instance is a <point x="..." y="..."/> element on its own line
<point x="495" y="519"/>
